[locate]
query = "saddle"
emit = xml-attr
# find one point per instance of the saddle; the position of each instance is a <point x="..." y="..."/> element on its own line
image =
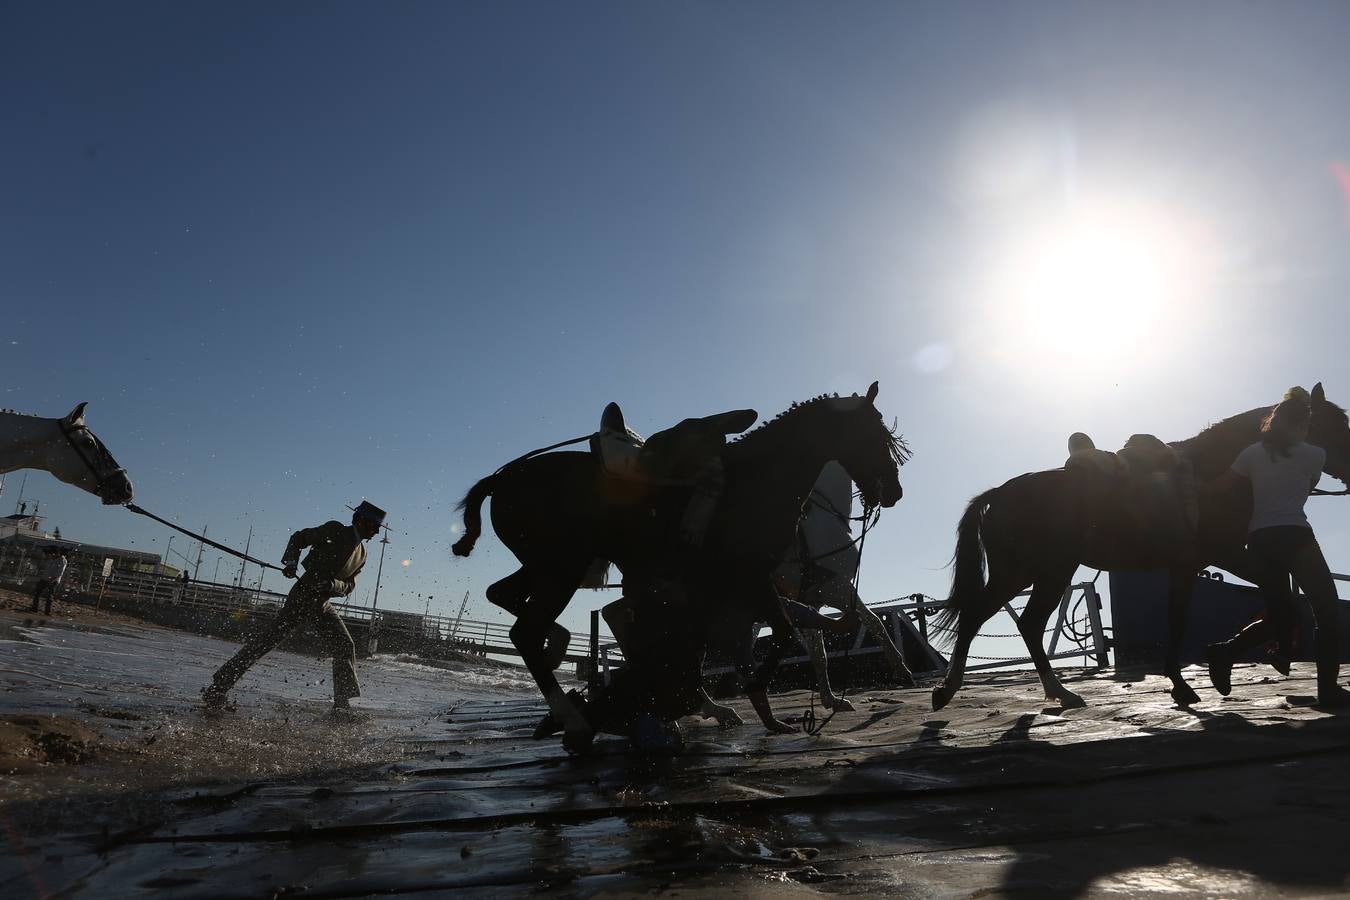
<point x="673" y="457"/>
<point x="616" y="446"/>
<point x="1160" y="480"/>
<point x="1143" y="454"/>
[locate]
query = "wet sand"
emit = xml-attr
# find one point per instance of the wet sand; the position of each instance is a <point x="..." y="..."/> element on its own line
<point x="437" y="788"/>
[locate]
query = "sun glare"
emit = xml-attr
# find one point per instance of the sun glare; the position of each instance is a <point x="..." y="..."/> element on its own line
<point x="1097" y="287"/>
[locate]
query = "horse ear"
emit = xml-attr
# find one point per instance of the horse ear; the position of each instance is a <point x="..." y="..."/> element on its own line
<point x="872" y="392"/>
<point x="1318" y="395"/>
<point x="76" y="416"/>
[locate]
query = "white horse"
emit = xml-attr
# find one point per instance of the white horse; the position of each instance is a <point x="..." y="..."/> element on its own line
<point x="67" y="449"/>
<point x="821" y="573"/>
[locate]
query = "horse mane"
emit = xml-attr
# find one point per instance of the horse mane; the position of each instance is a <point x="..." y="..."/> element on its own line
<point x="768" y="424"/>
<point x="15" y="412"/>
<point x="899" y="450"/>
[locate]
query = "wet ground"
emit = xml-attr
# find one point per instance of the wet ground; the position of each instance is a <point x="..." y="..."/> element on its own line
<point x="436" y="788"/>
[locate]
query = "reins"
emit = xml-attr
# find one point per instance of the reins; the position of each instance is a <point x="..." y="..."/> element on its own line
<point x="534" y="453"/>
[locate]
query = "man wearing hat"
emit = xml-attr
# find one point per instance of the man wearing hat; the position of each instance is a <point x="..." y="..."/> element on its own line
<point x="337" y="553"/>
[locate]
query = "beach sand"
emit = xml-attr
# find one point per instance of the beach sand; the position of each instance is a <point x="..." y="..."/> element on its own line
<point x="116" y="785"/>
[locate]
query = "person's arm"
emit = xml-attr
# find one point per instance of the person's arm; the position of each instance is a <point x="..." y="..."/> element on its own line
<point x="1317" y="473"/>
<point x="305" y="537"/>
<point x="1225" y="482"/>
<point x="1240" y="471"/>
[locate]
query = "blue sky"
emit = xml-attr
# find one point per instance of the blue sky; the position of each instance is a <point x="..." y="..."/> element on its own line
<point x="298" y="255"/>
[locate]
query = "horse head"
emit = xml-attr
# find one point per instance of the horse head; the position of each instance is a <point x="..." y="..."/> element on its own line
<point x="870" y="452"/>
<point x="1330" y="430"/>
<point x="79" y="458"/>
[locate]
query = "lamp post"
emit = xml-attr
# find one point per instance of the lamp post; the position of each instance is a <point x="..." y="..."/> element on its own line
<point x="379" y="570"/>
<point x="167" y="548"/>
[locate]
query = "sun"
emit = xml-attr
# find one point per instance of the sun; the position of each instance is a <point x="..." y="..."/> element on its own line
<point x="1095" y="287"/>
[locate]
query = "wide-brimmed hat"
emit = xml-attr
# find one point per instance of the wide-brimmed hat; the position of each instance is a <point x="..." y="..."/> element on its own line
<point x="370" y="512"/>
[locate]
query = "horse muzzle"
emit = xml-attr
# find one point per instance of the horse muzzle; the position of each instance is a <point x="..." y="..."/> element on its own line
<point x="116" y="491"/>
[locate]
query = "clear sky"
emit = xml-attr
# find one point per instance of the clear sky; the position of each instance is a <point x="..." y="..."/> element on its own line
<point x="298" y="254"/>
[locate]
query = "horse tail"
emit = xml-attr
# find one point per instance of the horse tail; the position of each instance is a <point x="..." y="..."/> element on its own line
<point x="968" y="582"/>
<point x="471" y="506"/>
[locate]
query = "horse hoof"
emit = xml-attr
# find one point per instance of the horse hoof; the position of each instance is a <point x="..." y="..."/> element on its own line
<point x="840" y="704"/>
<point x="547" y="727"/>
<point x="941" y="697"/>
<point x="1070" y="700"/>
<point x="1184" y="695"/>
<point x="578" y="742"/>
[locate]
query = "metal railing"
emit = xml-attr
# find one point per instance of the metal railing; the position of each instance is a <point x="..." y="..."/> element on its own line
<point x="160" y="590"/>
<point x="910" y="614"/>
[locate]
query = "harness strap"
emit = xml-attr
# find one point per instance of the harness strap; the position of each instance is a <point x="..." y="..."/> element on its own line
<point x="100" y="479"/>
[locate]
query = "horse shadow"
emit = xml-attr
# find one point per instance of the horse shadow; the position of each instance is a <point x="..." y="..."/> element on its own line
<point x="1234" y="806"/>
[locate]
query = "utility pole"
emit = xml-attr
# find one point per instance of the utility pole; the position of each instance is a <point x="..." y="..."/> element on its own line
<point x="167" y="547"/>
<point x="201" y="546"/>
<point x="248" y="543"/>
<point x="379" y="570"/>
<point x="22" y="484"/>
<point x="216" y="574"/>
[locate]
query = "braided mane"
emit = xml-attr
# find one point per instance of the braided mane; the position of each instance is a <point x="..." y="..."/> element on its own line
<point x="899" y="450"/>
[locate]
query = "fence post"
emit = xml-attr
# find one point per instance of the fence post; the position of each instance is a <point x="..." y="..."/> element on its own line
<point x="1095" y="619"/>
<point x="1059" y="621"/>
<point x="592" y="676"/>
<point x="922" y="615"/>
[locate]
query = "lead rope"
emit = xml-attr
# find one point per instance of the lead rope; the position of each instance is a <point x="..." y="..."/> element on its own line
<point x="809" y="725"/>
<point x="132" y="507"/>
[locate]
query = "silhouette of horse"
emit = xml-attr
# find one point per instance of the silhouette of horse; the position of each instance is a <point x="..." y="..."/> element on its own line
<point x="559" y="511"/>
<point x="67" y="449"/>
<point x="1036" y="529"/>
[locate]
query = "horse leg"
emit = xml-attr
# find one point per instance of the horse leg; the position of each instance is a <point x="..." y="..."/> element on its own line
<point x="814" y="641"/>
<point x="530" y="635"/>
<point x="877" y="628"/>
<point x="512" y="591"/>
<point x="1000" y="590"/>
<point x="1180" y="584"/>
<point x="1045" y="596"/>
<point x="711" y="709"/>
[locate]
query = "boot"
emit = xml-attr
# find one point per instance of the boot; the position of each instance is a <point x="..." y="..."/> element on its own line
<point x="1329" y="692"/>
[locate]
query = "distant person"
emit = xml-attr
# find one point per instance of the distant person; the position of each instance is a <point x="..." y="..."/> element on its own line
<point x="1283" y="469"/>
<point x="821" y="573"/>
<point x="337" y="554"/>
<point x="53" y="570"/>
<point x="183" y="581"/>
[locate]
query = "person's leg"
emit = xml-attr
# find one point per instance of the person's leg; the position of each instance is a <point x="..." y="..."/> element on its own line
<point x="51" y="595"/>
<point x="37" y="593"/>
<point x="339" y="644"/>
<point x="257" y="645"/>
<point x="1310" y="571"/>
<point x="1267" y="559"/>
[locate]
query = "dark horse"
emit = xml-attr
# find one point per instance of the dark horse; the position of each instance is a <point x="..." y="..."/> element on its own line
<point x="1036" y="529"/>
<point x="559" y="511"/>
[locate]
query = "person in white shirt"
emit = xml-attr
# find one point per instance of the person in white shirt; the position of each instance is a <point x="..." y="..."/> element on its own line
<point x="53" y="570"/>
<point x="1283" y="469"/>
<point x="821" y="573"/>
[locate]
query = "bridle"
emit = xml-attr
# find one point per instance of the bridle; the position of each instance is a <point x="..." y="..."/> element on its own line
<point x="101" y="476"/>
